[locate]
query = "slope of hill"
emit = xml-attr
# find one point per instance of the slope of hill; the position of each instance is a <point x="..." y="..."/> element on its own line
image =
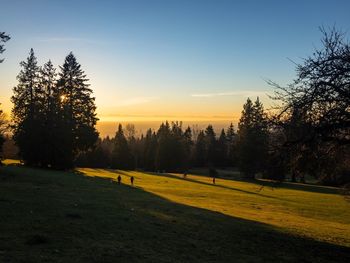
<point x="85" y="216"/>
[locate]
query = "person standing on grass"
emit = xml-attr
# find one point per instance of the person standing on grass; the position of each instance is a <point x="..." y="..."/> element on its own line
<point x="213" y="173"/>
<point x="132" y="180"/>
<point x="119" y="179"/>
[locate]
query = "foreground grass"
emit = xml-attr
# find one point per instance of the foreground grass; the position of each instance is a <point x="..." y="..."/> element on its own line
<point x="85" y="216"/>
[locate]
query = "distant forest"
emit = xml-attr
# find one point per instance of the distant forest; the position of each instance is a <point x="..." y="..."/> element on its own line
<point x="306" y="134"/>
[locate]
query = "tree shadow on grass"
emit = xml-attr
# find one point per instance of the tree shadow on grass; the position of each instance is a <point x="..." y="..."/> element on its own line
<point x="285" y="185"/>
<point x="119" y="223"/>
<point x="300" y="187"/>
<point x="189" y="179"/>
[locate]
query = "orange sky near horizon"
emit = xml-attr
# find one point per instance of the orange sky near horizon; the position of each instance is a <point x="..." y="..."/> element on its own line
<point x="149" y="62"/>
<point x="218" y="109"/>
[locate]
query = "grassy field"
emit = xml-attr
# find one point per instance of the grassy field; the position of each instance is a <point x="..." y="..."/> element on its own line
<point x="85" y="216"/>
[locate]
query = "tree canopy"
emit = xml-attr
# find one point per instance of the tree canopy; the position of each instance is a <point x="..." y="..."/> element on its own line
<point x="53" y="118"/>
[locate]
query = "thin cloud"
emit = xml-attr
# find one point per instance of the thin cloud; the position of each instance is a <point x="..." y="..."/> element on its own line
<point x="230" y="93"/>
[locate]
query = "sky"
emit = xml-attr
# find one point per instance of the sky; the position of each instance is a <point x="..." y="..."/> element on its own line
<point x="150" y="61"/>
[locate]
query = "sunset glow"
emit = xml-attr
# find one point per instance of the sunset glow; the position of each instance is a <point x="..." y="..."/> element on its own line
<point x="166" y="61"/>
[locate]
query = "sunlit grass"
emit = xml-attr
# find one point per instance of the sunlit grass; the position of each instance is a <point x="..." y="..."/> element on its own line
<point x="314" y="211"/>
<point x="85" y="216"/>
<point x="11" y="161"/>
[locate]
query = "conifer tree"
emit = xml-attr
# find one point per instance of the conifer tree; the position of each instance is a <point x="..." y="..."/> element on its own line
<point x="77" y="107"/>
<point x="261" y="135"/>
<point x="210" y="141"/>
<point x="49" y="87"/>
<point x="252" y="138"/>
<point x="150" y="150"/>
<point x="48" y="101"/>
<point x="121" y="156"/>
<point x="188" y="144"/>
<point x="164" y="152"/>
<point x="231" y="146"/>
<point x="178" y="148"/>
<point x="200" y="150"/>
<point x="26" y="111"/>
<point x="221" y="155"/>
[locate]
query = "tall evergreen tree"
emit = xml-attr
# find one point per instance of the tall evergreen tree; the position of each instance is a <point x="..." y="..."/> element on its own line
<point x="25" y="112"/>
<point x="188" y="145"/>
<point x="221" y="155"/>
<point x="231" y="146"/>
<point x="121" y="156"/>
<point x="211" y="147"/>
<point x="78" y="109"/>
<point x="200" y="150"/>
<point x="150" y="150"/>
<point x="164" y="151"/>
<point x="252" y="138"/>
<point x="178" y="148"/>
<point x="49" y="110"/>
<point x="261" y="135"/>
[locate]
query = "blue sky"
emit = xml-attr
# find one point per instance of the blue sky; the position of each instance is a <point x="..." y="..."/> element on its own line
<point x="169" y="59"/>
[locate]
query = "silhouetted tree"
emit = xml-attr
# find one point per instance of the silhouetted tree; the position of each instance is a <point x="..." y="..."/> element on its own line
<point x="211" y="147"/>
<point x="49" y="106"/>
<point x="221" y="155"/>
<point x="321" y="90"/>
<point x="26" y="113"/>
<point x="188" y="145"/>
<point x="150" y="150"/>
<point x="261" y="135"/>
<point x="200" y="150"/>
<point x="130" y="135"/>
<point x="319" y="99"/>
<point x="52" y="121"/>
<point x="252" y="138"/>
<point x="164" y="154"/>
<point x="78" y="109"/>
<point x="231" y="146"/>
<point x="121" y="156"/>
<point x="3" y="38"/>
<point x="178" y="148"/>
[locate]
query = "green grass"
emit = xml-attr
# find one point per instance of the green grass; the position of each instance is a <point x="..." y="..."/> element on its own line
<point x="85" y="216"/>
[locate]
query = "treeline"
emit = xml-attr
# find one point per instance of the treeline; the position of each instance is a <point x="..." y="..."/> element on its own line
<point x="306" y="134"/>
<point x="53" y="117"/>
<point x="173" y="148"/>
